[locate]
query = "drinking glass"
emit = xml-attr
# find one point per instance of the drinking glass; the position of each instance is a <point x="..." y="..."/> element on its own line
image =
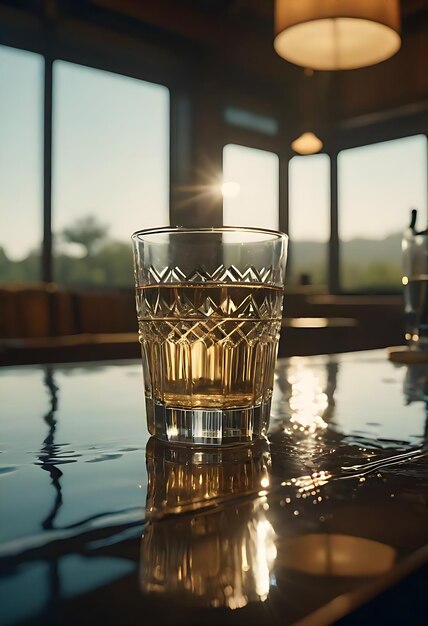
<point x="415" y="282"/>
<point x="209" y="307"/>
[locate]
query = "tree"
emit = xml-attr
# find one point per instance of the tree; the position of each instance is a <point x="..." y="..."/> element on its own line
<point x="88" y="232"/>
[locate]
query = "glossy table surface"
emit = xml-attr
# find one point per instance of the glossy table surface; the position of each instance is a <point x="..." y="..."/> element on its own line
<point x="99" y="524"/>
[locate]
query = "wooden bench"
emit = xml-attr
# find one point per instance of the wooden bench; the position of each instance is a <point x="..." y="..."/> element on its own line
<point x="42" y="323"/>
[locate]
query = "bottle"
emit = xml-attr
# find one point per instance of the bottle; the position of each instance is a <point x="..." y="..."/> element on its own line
<point x="418" y="286"/>
<point x="407" y="252"/>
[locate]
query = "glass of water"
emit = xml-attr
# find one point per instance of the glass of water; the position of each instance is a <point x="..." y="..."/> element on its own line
<point x="209" y="307"/>
<point x="415" y="283"/>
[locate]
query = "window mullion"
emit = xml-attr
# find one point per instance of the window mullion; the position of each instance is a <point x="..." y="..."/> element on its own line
<point x="47" y="173"/>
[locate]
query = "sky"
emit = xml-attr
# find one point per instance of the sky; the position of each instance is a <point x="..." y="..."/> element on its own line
<point x="110" y="150"/>
<point x="21" y="155"/>
<point x="111" y="159"/>
<point x="309" y="189"/>
<point x="257" y="174"/>
<point x="379" y="185"/>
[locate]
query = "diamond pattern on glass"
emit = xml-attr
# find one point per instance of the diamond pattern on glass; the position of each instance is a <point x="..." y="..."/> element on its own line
<point x="201" y="275"/>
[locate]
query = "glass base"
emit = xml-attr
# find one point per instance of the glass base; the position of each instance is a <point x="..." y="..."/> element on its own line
<point x="211" y="427"/>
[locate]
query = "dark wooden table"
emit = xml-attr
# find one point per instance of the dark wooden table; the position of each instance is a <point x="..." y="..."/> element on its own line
<point x="326" y="522"/>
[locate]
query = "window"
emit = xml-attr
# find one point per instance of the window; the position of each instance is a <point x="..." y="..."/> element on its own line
<point x="110" y="174"/>
<point x="309" y="218"/>
<point x="21" y="163"/>
<point x="378" y="185"/>
<point x="250" y="187"/>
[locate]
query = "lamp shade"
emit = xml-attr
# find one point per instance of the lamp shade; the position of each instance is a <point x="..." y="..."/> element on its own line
<point x="307" y="143"/>
<point x="336" y="35"/>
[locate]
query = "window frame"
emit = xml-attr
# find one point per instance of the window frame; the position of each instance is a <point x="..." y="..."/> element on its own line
<point x="248" y="138"/>
<point x="383" y="130"/>
<point x="290" y="260"/>
<point x="99" y="49"/>
<point x="376" y="291"/>
<point x="111" y="59"/>
<point x="264" y="149"/>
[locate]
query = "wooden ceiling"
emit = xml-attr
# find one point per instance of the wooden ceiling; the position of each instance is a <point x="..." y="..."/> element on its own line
<point x="237" y="34"/>
<point x="230" y="43"/>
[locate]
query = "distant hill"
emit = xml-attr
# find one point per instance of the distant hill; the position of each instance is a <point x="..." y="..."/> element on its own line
<point x="354" y="251"/>
<point x="363" y="261"/>
<point x="385" y="250"/>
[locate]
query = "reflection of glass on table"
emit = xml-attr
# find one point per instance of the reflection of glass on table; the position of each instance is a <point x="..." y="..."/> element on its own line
<point x="181" y="478"/>
<point x="416" y="387"/>
<point x="220" y="556"/>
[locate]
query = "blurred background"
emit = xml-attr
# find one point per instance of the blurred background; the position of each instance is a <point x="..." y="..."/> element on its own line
<point x="117" y="115"/>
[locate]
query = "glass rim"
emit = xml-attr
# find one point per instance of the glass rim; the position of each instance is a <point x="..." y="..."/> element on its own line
<point x="275" y="234"/>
